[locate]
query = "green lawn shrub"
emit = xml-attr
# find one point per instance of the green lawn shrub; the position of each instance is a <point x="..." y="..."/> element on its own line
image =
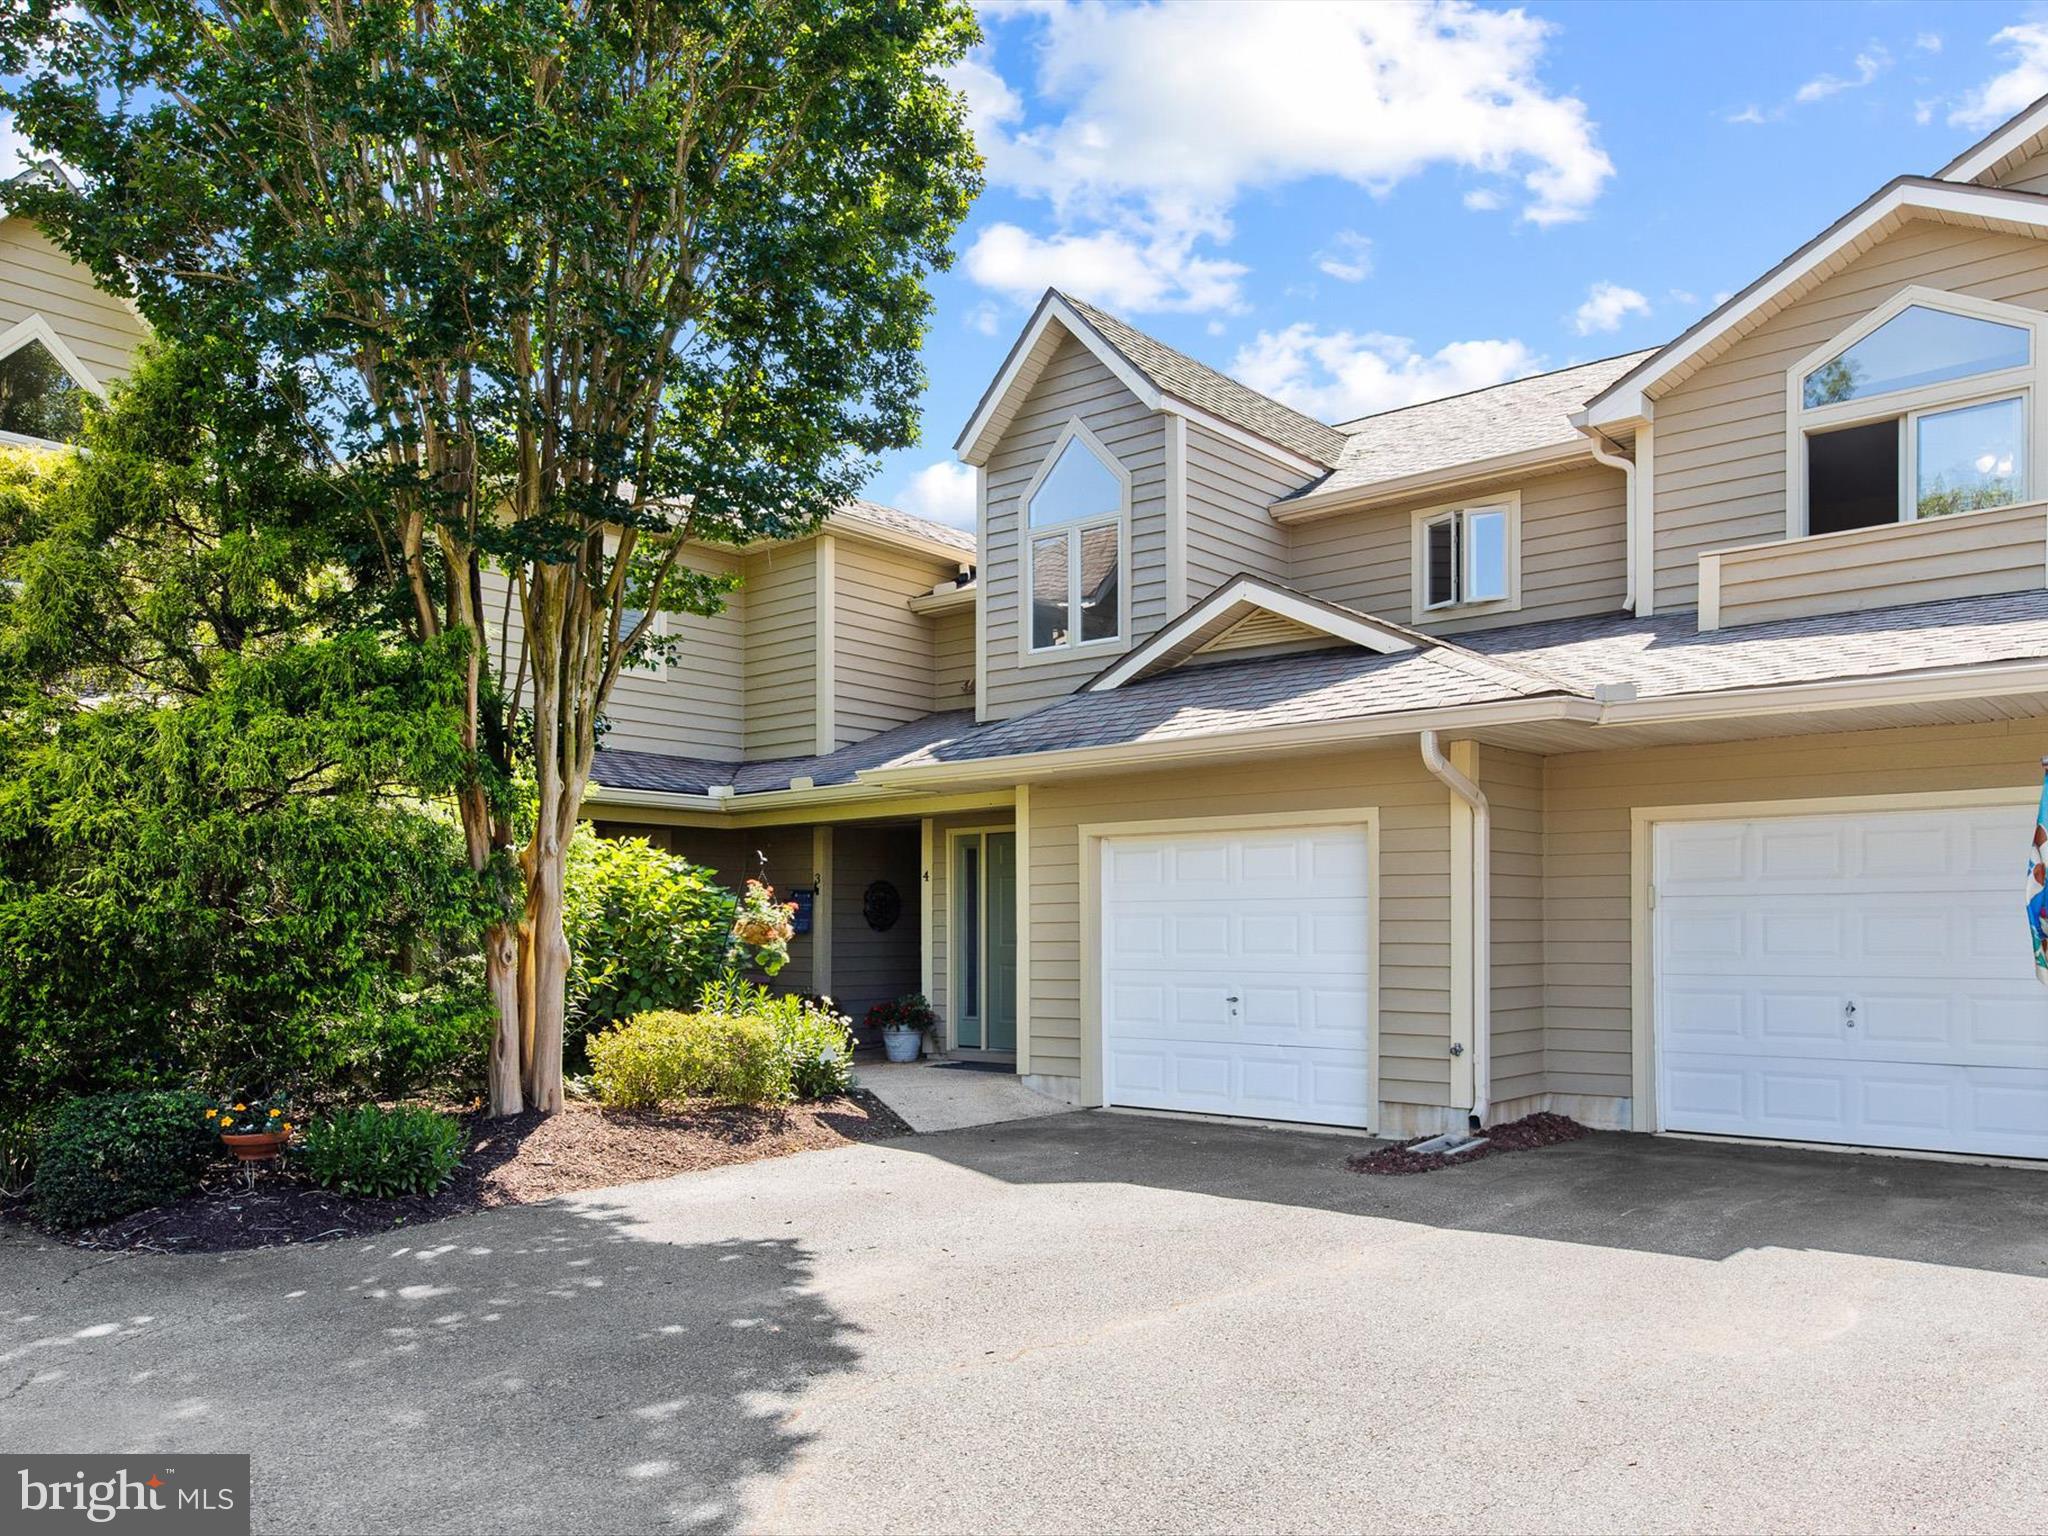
<point x="105" y="1155"/>
<point x="383" y="1153"/>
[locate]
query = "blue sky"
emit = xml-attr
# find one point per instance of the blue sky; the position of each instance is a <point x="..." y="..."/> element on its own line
<point x="1354" y="206"/>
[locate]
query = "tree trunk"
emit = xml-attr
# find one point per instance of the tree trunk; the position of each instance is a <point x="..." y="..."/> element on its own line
<point x="501" y="971"/>
<point x="547" y="968"/>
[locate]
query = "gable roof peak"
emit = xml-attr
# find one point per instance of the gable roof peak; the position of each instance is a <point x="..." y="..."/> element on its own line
<point x="2009" y="141"/>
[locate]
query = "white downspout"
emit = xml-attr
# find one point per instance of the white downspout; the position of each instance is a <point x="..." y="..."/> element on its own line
<point x="1603" y="453"/>
<point x="1482" y="921"/>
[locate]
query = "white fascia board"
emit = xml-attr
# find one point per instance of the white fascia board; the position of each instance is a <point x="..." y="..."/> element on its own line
<point x="1250" y="592"/>
<point x="1310" y="505"/>
<point x="1625" y="402"/>
<point x="944" y="602"/>
<point x="976" y="439"/>
<point x="2002" y="142"/>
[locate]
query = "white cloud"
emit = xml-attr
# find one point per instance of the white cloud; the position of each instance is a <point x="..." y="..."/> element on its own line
<point x="1342" y="374"/>
<point x="1349" y="258"/>
<point x="1927" y="42"/>
<point x="943" y="492"/>
<point x="1870" y="63"/>
<point x="1117" y="270"/>
<point x="1483" y="200"/>
<point x="1147" y="123"/>
<point x="1751" y="114"/>
<point x="1606" y="306"/>
<point x="985" y="318"/>
<point x="2003" y="94"/>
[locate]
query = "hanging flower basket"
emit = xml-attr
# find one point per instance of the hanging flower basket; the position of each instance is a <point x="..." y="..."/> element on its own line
<point x="254" y="1130"/>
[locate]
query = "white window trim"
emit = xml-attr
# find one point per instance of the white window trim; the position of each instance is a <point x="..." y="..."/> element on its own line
<point x="1028" y="654"/>
<point x="37" y="328"/>
<point x="1419" y="608"/>
<point x="1908" y="405"/>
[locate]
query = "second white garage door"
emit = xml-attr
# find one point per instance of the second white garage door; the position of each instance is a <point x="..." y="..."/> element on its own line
<point x="1234" y="975"/>
<point x="1858" y="978"/>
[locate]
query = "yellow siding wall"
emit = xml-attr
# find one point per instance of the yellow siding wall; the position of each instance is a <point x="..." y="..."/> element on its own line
<point x="1720" y="435"/>
<point x="1586" y="892"/>
<point x="1513" y="782"/>
<point x="1574" y="552"/>
<point x="780" y="596"/>
<point x="951" y="638"/>
<point x="883" y="673"/>
<point x="1414" y="899"/>
<point x="693" y="709"/>
<point x="1230" y="488"/>
<point x="37" y="278"/>
<point x="2028" y="175"/>
<point x="1074" y="384"/>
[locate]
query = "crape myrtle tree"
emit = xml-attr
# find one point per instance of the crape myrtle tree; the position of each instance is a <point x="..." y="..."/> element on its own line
<point x="569" y="286"/>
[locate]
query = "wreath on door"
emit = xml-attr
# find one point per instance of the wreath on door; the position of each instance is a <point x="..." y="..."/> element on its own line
<point x="881" y="904"/>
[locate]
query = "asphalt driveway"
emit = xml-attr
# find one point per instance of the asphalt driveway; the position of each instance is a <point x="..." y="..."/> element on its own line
<point x="1100" y="1322"/>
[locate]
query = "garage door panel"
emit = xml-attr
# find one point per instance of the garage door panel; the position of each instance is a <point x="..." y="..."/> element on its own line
<point x="1767" y="931"/>
<point x="1254" y="998"/>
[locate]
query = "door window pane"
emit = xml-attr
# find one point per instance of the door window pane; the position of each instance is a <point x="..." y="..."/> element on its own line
<point x="1099" y="583"/>
<point x="1486" y="556"/>
<point x="969" y="937"/>
<point x="1049" y="620"/>
<point x="1968" y="458"/>
<point x="1916" y="347"/>
<point x="1852" y="477"/>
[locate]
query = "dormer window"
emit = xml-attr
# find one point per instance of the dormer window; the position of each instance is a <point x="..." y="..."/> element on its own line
<point x="1075" y="516"/>
<point x="1467" y="557"/>
<point x="1924" y="409"/>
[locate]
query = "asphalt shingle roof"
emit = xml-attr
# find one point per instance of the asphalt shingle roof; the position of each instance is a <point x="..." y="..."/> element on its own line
<point x="1515" y="417"/>
<point x="892" y="520"/>
<point x="1662" y="656"/>
<point x="1177" y="374"/>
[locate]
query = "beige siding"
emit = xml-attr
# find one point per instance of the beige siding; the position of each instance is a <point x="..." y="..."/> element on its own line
<point x="1074" y="384"/>
<point x="1573" y="541"/>
<point x="2029" y="174"/>
<point x="1513" y="782"/>
<point x="38" y="279"/>
<point x="1413" y="896"/>
<point x="942" y="901"/>
<point x="1720" y="437"/>
<point x="1588" y="800"/>
<point x="1230" y="488"/>
<point x="883" y="674"/>
<point x="692" y="709"/>
<point x="951" y="637"/>
<point x="1969" y="555"/>
<point x="780" y="598"/>
<point x="870" y="966"/>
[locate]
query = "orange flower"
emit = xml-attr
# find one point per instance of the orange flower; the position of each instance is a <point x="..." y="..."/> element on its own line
<point x="275" y="1113"/>
<point x="240" y="1107"/>
<point x="287" y="1127"/>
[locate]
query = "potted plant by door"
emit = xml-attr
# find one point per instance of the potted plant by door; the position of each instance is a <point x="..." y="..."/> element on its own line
<point x="255" y="1130"/>
<point x="902" y="1024"/>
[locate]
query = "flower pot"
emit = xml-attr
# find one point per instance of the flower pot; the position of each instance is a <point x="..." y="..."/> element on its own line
<point x="254" y="1146"/>
<point x="902" y="1043"/>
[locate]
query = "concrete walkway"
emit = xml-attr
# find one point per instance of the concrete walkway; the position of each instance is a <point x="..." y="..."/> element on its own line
<point x="931" y="1096"/>
<point x="1101" y="1323"/>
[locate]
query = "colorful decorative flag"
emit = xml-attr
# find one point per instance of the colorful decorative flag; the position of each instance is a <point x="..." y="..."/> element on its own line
<point x="2037" y="885"/>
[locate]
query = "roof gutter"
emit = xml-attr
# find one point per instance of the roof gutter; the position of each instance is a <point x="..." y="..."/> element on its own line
<point x="1604" y="452"/>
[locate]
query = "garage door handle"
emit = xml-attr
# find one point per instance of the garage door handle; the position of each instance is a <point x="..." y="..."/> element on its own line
<point x="1849" y="1014"/>
<point x="1231" y="999"/>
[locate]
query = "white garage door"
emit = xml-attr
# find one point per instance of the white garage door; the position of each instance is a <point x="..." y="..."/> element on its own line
<point x="1861" y="978"/>
<point x="1234" y="974"/>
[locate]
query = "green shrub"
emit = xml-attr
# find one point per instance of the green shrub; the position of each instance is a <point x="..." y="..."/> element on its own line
<point x="383" y="1153"/>
<point x="645" y="930"/>
<point x="816" y="1043"/>
<point x="113" y="1153"/>
<point x="19" y="1134"/>
<point x="664" y="1058"/>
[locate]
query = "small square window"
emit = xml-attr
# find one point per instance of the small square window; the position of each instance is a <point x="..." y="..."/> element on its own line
<point x="1467" y="557"/>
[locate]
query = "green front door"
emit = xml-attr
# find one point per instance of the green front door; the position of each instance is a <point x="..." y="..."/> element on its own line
<point x="999" y="907"/>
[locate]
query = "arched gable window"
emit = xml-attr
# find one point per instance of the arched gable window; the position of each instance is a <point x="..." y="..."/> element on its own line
<point x="1924" y="408"/>
<point x="1076" y="513"/>
<point x="43" y="386"/>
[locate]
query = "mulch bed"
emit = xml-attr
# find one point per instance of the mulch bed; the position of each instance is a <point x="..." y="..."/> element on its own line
<point x="1523" y="1135"/>
<point x="509" y="1162"/>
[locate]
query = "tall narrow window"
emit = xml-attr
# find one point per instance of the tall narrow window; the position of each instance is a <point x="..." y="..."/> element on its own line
<point x="1466" y="556"/>
<point x="1074" y="540"/>
<point x="38" y="397"/>
<point x="1926" y="414"/>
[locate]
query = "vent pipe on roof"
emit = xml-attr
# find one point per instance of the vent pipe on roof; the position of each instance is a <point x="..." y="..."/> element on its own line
<point x="1605" y="452"/>
<point x="1482" y="920"/>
